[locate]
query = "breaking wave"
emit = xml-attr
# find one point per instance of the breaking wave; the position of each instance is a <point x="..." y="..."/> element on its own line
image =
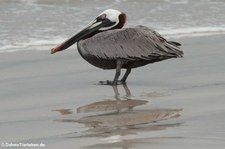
<point x="192" y="32"/>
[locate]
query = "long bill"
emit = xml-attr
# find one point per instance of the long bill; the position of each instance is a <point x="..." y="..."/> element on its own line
<point x="91" y="27"/>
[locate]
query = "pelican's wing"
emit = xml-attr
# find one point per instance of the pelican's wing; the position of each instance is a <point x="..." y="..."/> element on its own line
<point x="130" y="43"/>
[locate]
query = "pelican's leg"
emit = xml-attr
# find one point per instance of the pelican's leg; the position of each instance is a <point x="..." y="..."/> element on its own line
<point x="118" y="70"/>
<point x="123" y="80"/>
<point x="115" y="80"/>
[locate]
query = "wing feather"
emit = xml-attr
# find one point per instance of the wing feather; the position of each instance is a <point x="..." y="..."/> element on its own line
<point x="130" y="43"/>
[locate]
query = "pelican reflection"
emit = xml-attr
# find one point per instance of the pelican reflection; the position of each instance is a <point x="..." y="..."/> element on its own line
<point x="111" y="104"/>
<point x="120" y="116"/>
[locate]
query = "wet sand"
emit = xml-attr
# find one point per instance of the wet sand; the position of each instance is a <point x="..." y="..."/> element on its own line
<point x="55" y="100"/>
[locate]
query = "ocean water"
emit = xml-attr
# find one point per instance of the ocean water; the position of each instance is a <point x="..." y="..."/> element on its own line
<point x="40" y="24"/>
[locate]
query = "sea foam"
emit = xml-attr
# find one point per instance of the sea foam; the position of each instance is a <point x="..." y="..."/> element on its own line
<point x="192" y="32"/>
<point x="33" y="44"/>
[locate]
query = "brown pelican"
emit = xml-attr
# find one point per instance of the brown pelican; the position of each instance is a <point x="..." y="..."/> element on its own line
<point x="105" y="44"/>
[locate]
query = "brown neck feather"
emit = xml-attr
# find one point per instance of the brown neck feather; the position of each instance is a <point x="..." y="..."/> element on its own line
<point x="122" y="21"/>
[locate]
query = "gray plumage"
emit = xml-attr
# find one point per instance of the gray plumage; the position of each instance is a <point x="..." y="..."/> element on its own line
<point x="135" y="47"/>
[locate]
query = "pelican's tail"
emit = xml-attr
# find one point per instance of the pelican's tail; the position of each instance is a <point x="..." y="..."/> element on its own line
<point x="174" y="48"/>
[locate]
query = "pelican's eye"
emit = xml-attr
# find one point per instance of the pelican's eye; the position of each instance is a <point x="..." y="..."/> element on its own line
<point x="101" y="17"/>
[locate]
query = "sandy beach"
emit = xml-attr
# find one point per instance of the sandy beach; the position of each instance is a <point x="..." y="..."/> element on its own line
<point x="55" y="100"/>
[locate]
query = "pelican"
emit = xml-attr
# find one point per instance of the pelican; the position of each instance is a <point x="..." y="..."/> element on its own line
<point x="105" y="44"/>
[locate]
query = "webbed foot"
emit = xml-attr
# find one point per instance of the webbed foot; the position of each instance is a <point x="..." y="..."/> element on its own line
<point x="107" y="82"/>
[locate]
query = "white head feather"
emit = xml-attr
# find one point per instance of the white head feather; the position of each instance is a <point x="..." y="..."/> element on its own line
<point x="112" y="15"/>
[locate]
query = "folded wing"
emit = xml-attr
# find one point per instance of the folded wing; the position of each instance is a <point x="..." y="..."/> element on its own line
<point x="138" y="43"/>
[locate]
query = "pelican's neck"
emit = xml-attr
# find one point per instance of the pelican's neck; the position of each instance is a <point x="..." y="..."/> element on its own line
<point x="122" y="21"/>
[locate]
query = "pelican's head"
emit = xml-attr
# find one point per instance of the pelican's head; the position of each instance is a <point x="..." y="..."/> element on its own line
<point x="107" y="20"/>
<point x="116" y="18"/>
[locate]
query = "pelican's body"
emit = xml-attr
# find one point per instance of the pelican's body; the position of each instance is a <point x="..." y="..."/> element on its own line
<point x="112" y="47"/>
<point x="135" y="47"/>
